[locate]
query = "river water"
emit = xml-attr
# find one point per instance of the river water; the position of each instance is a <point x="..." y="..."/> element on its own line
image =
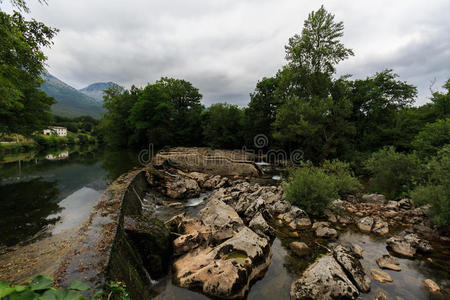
<point x="48" y="192"/>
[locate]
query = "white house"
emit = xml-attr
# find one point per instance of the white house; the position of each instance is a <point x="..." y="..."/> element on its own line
<point x="58" y="130"/>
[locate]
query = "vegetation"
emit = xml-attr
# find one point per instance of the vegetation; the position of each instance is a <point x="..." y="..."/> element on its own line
<point x="41" y="288"/>
<point x="312" y="188"/>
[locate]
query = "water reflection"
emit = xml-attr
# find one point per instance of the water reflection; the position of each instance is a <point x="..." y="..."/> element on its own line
<point x="44" y="193"/>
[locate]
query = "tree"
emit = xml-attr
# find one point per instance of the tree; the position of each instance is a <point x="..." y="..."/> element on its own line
<point x="21" y="64"/>
<point x="432" y="138"/>
<point x="223" y="126"/>
<point x="262" y="109"/>
<point x="376" y="102"/>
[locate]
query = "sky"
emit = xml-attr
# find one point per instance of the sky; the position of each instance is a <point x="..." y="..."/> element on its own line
<point x="225" y="46"/>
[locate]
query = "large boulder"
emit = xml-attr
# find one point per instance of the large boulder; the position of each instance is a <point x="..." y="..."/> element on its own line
<point x="380" y="227"/>
<point x="259" y="225"/>
<point x="408" y="245"/>
<point x="324" y="280"/>
<point x="226" y="270"/>
<point x="351" y="264"/>
<point x="300" y="248"/>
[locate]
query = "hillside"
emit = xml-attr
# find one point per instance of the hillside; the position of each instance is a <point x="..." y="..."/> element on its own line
<point x="70" y="102"/>
<point x="95" y="90"/>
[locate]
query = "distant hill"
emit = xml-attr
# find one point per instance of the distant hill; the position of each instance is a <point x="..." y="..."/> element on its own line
<point x="95" y="90"/>
<point x="70" y="101"/>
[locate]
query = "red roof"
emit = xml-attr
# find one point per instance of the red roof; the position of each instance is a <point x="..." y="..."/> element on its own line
<point x="57" y="127"/>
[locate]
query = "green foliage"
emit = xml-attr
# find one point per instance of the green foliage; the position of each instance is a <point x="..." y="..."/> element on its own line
<point x="41" y="288"/>
<point x="312" y="188"/>
<point x="223" y="126"/>
<point x="23" y="108"/>
<point x="436" y="189"/>
<point x="344" y="180"/>
<point x="432" y="138"/>
<point x="393" y="173"/>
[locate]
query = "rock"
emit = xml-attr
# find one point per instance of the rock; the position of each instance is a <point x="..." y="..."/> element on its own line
<point x="374" y="198"/>
<point x="380" y="276"/>
<point x="406" y="204"/>
<point x="380" y="227"/>
<point x="199" y="177"/>
<point x="300" y="248"/>
<point x="350" y="263"/>
<point x="391" y="205"/>
<point x="259" y="225"/>
<point x="320" y="224"/>
<point x="381" y="295"/>
<point x="324" y="280"/>
<point x="182" y="189"/>
<point x="226" y="270"/>
<point x="344" y="220"/>
<point x="280" y="207"/>
<point x="212" y="182"/>
<point x="365" y="224"/>
<point x="357" y="250"/>
<point x="432" y="286"/>
<point x="303" y="223"/>
<point x="325" y="232"/>
<point x="331" y="216"/>
<point x="408" y="244"/>
<point x="388" y="262"/>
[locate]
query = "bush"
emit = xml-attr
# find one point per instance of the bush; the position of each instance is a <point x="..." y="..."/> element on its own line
<point x="393" y="174"/>
<point x="311" y="189"/>
<point x="436" y="191"/>
<point x="342" y="176"/>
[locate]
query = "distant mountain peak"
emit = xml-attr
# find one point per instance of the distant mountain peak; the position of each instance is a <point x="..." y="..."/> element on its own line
<point x="96" y="89"/>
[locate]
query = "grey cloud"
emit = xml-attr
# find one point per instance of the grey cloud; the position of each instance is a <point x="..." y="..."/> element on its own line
<point x="225" y="46"/>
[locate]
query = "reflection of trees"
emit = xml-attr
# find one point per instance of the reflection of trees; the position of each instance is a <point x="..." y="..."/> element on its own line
<point x="118" y="162"/>
<point x="24" y="208"/>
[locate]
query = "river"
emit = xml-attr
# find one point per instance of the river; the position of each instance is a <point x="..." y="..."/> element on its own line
<point x="47" y="192"/>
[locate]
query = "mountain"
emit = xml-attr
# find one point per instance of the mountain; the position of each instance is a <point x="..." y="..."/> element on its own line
<point x="70" y="101"/>
<point x="95" y="90"/>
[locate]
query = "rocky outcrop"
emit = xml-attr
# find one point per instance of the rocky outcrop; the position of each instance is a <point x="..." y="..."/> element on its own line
<point x="221" y="256"/>
<point x="324" y="280"/>
<point x="365" y="224"/>
<point x="432" y="286"/>
<point x="408" y="245"/>
<point x="338" y="275"/>
<point x="206" y="160"/>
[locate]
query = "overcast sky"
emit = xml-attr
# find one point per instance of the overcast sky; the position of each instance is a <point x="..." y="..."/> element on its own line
<point x="225" y="46"/>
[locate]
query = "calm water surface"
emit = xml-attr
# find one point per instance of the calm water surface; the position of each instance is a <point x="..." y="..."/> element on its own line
<point x="45" y="193"/>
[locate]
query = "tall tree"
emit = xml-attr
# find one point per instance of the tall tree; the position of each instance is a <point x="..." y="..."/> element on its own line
<point x="23" y="109"/>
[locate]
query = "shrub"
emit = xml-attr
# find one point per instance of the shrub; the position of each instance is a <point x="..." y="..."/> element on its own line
<point x="436" y="191"/>
<point x="310" y="188"/>
<point x="342" y="176"/>
<point x="393" y="173"/>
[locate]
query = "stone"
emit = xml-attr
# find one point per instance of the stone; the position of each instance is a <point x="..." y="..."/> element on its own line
<point x="352" y="266"/>
<point x="212" y="182"/>
<point x="406" y="204"/>
<point x="303" y="223"/>
<point x="374" y="198"/>
<point x="300" y="248"/>
<point x="388" y="262"/>
<point x="432" y="286"/>
<point x="380" y="276"/>
<point x="357" y="250"/>
<point x="259" y="225"/>
<point x="381" y="295"/>
<point x="365" y="224"/>
<point x="199" y="177"/>
<point x="344" y="220"/>
<point x="226" y="270"/>
<point x="182" y="189"/>
<point x="325" y="232"/>
<point x="380" y="227"/>
<point x="280" y="207"/>
<point x="320" y="224"/>
<point x="324" y="280"/>
<point x="391" y="205"/>
<point x="408" y="244"/>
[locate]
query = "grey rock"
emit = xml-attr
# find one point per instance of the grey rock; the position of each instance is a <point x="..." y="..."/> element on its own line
<point x="348" y="260"/>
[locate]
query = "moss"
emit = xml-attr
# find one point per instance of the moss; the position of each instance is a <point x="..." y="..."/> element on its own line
<point x="237" y="256"/>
